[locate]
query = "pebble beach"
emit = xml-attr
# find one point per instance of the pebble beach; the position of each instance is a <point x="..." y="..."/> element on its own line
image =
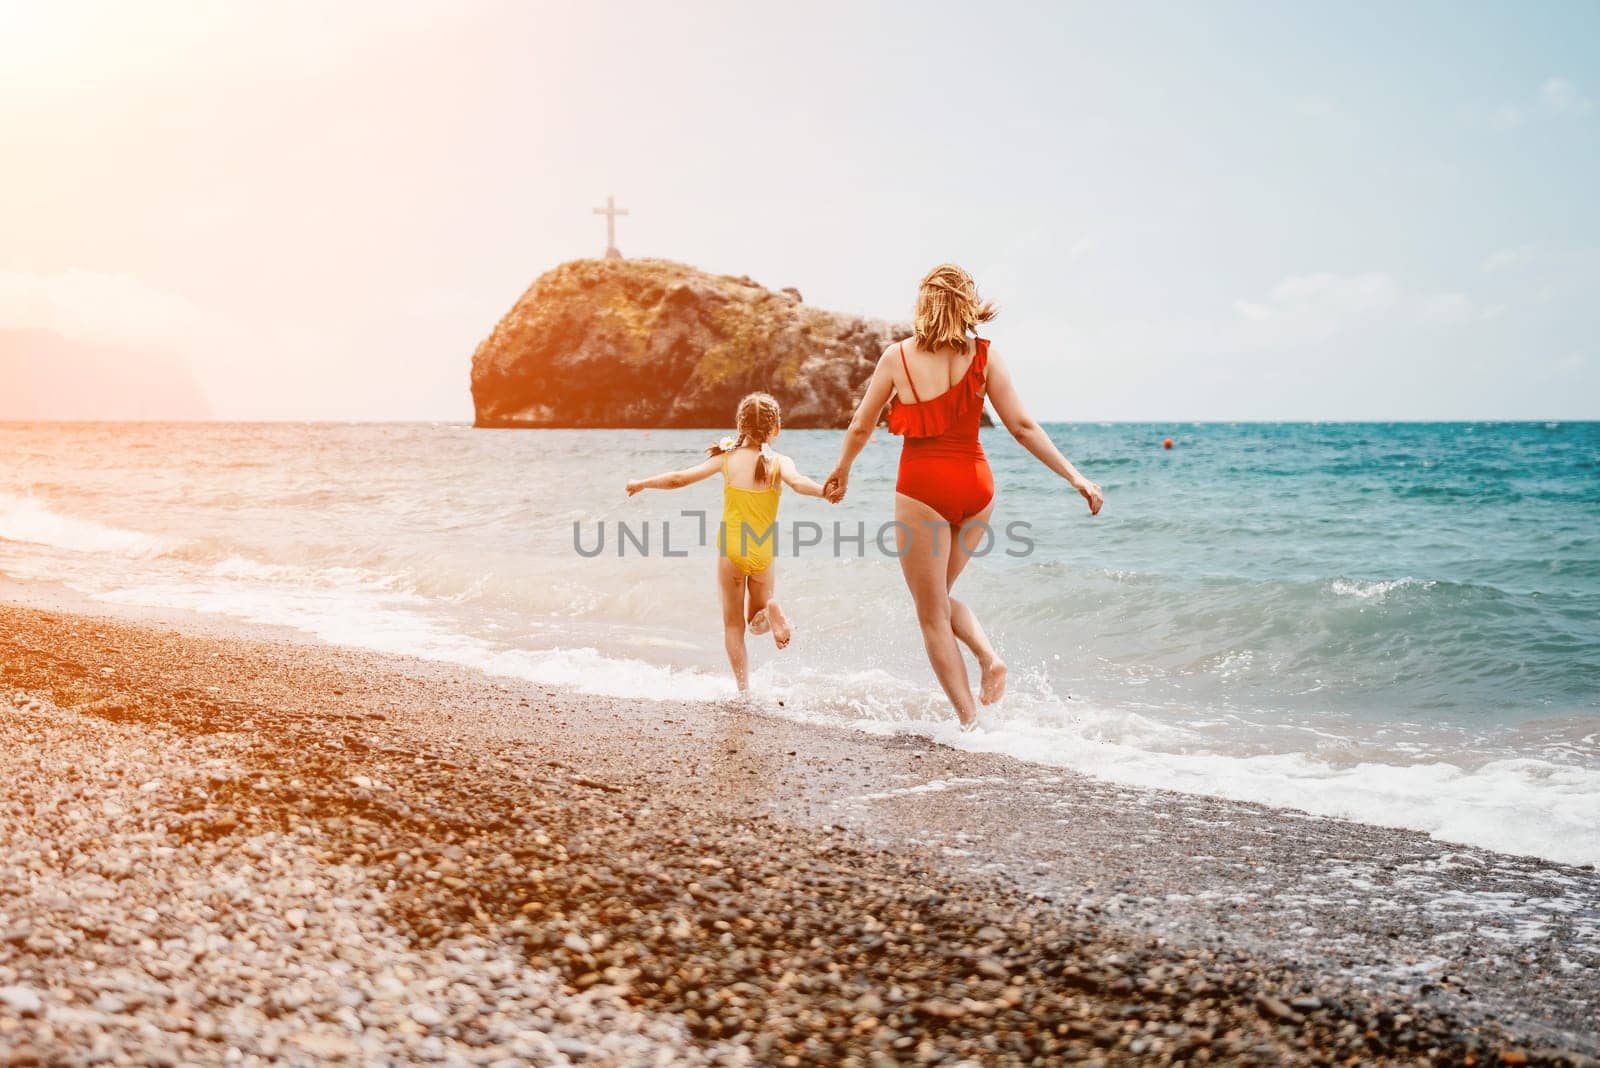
<point x="236" y="848"/>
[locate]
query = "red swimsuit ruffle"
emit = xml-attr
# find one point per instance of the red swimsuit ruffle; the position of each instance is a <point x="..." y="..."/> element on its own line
<point x="939" y="415"/>
<point x="942" y="462"/>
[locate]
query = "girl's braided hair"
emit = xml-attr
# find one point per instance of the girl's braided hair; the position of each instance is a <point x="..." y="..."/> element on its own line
<point x="757" y="420"/>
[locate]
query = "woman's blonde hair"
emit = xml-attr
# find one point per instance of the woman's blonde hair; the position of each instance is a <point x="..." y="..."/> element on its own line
<point x="948" y="309"/>
<point x="758" y="420"/>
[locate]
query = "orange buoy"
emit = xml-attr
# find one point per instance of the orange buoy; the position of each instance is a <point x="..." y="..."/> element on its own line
<point x="1167" y="444"/>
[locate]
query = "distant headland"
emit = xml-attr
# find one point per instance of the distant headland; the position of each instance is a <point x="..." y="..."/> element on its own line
<point x="652" y="343"/>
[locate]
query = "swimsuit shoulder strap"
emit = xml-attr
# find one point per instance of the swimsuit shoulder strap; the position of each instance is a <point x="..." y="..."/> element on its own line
<point x="725" y="465"/>
<point x="907" y="366"/>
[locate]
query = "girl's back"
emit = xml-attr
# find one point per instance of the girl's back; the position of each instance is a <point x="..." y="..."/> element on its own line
<point x="741" y="469"/>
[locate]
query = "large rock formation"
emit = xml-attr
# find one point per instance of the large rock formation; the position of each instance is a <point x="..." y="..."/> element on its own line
<point x="618" y="343"/>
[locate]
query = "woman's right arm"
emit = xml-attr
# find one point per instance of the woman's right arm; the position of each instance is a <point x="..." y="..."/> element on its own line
<point x="861" y="425"/>
<point x="678" y="479"/>
<point x="1032" y="436"/>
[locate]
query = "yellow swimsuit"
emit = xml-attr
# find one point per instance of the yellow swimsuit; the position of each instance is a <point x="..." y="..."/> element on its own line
<point x="749" y="522"/>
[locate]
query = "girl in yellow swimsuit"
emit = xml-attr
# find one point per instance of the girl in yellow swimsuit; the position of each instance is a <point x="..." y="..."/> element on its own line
<point x="753" y="476"/>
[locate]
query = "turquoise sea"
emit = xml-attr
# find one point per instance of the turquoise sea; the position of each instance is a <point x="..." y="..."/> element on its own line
<point x="1398" y="623"/>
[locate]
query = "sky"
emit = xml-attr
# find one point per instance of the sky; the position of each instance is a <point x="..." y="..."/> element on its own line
<point x="1185" y="211"/>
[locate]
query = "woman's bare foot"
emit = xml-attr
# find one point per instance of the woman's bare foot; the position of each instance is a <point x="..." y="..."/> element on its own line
<point x="992" y="686"/>
<point x="968" y="723"/>
<point x="781" y="631"/>
<point x="759" y="623"/>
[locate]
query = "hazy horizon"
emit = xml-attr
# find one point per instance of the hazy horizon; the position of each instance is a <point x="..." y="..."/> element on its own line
<point x="1241" y="213"/>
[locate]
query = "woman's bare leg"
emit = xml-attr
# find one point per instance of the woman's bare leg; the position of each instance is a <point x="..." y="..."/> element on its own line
<point x="731" y="584"/>
<point x="764" y="611"/>
<point x="992" y="686"/>
<point x="924" y="545"/>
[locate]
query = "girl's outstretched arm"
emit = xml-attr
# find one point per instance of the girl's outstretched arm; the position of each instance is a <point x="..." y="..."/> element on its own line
<point x="678" y="479"/>
<point x="1032" y="436"/>
<point x="795" y="480"/>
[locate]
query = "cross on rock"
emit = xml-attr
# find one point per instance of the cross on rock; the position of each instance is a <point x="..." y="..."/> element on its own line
<point x="611" y="211"/>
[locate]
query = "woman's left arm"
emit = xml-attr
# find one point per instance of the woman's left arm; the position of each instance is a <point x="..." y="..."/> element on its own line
<point x="1032" y="436"/>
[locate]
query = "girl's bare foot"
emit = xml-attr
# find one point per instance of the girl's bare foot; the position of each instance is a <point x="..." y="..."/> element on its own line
<point x="781" y="631"/>
<point x="759" y="623"/>
<point x="968" y="723"/>
<point x="992" y="686"/>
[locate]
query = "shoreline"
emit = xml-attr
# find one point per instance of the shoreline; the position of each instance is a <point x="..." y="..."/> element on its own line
<point x="1366" y="685"/>
<point x="701" y="842"/>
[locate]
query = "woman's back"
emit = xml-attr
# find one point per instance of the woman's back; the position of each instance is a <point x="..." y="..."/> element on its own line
<point x="923" y="376"/>
<point x="945" y="419"/>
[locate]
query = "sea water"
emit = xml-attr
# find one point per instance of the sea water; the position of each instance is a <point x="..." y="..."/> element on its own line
<point x="1397" y="623"/>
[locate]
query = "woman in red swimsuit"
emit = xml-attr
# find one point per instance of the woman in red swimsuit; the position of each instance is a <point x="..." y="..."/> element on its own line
<point x="935" y="384"/>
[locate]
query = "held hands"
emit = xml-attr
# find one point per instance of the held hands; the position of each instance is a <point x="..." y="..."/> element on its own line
<point x="833" y="490"/>
<point x="1091" y="493"/>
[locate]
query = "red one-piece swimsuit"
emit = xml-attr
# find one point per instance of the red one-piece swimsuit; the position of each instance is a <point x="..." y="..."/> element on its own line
<point x="941" y="461"/>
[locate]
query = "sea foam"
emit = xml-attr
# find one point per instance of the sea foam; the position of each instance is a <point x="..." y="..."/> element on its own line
<point x="27" y="519"/>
